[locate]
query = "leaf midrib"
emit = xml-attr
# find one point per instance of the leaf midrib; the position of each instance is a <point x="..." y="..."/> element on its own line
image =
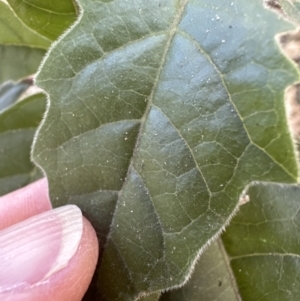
<point x="172" y="32"/>
<point x="173" y="29"/>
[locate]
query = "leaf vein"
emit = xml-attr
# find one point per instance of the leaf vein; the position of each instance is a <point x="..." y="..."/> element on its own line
<point x="200" y="48"/>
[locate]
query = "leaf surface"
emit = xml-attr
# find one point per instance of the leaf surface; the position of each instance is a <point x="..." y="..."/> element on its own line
<point x="15" y="32"/>
<point x="21" y="50"/>
<point x="17" y="128"/>
<point x="262" y="262"/>
<point x="18" y="61"/>
<point x="46" y="18"/>
<point x="157" y="109"/>
<point x="211" y="280"/>
<point x="263" y="244"/>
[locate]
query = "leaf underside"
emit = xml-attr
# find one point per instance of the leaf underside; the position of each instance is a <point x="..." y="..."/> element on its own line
<point x="157" y="109"/>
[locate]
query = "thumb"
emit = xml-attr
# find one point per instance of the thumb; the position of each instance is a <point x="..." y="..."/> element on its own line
<point x="50" y="256"/>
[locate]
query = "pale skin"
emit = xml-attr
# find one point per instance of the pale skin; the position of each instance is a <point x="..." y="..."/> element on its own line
<point x="72" y="281"/>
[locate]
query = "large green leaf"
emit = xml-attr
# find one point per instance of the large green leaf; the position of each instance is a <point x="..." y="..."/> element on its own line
<point x="263" y="244"/>
<point x="47" y="18"/>
<point x="17" y="127"/>
<point x="18" y="61"/>
<point x="14" y="32"/>
<point x="161" y="112"/>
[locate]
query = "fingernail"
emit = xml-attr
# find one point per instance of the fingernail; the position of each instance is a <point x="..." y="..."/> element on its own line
<point x="35" y="249"/>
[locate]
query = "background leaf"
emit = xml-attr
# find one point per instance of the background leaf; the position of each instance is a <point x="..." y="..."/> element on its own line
<point x="17" y="61"/>
<point x="157" y="111"/>
<point x="21" y="51"/>
<point x="14" y="32"/>
<point x="263" y="243"/>
<point x="47" y="18"/>
<point x="17" y="127"/>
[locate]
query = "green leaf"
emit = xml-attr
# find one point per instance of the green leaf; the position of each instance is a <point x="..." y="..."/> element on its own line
<point x="288" y="8"/>
<point x="17" y="127"/>
<point x="157" y="109"/>
<point x="14" y="32"/>
<point x="211" y="280"/>
<point x="18" y="61"/>
<point x="21" y="50"/>
<point x="47" y="18"/>
<point x="263" y="244"/>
